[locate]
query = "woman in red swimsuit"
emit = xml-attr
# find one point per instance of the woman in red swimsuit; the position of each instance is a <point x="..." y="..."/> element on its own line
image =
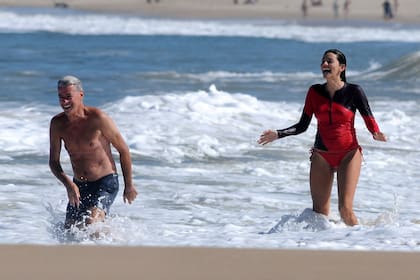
<point x="336" y="149"/>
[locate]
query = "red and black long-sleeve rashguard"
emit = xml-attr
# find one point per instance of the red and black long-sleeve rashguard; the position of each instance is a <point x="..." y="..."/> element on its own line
<point x="336" y="132"/>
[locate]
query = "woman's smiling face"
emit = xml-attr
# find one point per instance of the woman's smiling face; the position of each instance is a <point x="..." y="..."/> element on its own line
<point x="331" y="67"/>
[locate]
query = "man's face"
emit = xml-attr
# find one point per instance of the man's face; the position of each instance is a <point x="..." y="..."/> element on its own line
<point x="70" y="98"/>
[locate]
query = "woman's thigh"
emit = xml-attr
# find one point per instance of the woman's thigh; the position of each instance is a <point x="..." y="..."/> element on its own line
<point x="321" y="180"/>
<point x="348" y="176"/>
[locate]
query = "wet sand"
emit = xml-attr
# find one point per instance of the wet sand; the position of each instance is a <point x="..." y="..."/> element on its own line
<point x="184" y="263"/>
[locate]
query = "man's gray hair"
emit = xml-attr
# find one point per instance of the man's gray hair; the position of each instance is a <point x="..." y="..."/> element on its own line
<point x="69" y="81"/>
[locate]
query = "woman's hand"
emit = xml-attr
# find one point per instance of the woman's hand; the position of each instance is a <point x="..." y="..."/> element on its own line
<point x="379" y="136"/>
<point x="267" y="137"/>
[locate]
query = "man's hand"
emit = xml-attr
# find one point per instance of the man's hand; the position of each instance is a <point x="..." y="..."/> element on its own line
<point x="130" y="194"/>
<point x="73" y="195"/>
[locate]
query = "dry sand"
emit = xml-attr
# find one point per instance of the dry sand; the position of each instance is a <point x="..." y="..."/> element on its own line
<point x="156" y="263"/>
<point x="408" y="10"/>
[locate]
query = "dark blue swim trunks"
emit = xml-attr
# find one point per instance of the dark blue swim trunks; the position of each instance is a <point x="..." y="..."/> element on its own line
<point x="100" y="193"/>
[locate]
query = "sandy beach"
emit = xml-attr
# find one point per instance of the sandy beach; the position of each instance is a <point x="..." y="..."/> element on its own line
<point x="97" y="262"/>
<point x="405" y="11"/>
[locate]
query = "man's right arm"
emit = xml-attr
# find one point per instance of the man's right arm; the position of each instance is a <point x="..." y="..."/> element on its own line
<point x="55" y="166"/>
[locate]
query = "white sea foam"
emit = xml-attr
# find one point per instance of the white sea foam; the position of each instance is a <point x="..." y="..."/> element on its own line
<point x="99" y="24"/>
<point x="201" y="175"/>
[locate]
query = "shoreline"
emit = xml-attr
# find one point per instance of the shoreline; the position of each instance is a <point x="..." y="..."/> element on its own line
<point x="160" y="263"/>
<point x="225" y="9"/>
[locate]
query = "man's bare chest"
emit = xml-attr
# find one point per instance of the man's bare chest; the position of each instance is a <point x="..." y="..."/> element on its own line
<point x="81" y="136"/>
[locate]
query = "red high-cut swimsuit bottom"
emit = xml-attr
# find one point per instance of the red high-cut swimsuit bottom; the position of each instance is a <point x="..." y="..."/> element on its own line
<point x="334" y="158"/>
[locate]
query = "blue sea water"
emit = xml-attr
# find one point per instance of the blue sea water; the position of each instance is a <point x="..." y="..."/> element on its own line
<point x="191" y="98"/>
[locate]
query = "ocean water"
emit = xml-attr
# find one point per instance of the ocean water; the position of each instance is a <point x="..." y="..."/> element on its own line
<point x="191" y="99"/>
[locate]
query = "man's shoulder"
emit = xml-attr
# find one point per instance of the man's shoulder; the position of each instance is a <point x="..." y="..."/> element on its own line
<point x="94" y="110"/>
<point x="58" y="118"/>
<point x="58" y="122"/>
<point x="95" y="113"/>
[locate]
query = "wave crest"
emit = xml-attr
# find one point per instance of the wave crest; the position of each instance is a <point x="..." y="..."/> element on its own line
<point x="73" y="22"/>
<point x="406" y="67"/>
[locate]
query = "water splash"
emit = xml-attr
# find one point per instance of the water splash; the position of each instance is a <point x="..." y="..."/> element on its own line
<point x="308" y="220"/>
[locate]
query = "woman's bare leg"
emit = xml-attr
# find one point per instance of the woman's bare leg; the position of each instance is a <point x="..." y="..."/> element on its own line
<point x="321" y="179"/>
<point x="347" y="177"/>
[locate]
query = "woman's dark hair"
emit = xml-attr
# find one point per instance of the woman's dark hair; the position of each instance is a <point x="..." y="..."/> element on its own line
<point x="341" y="59"/>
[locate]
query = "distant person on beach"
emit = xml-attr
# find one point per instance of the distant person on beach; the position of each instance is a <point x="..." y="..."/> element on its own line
<point x="61" y="5"/>
<point x="304" y="8"/>
<point x="87" y="134"/>
<point x="387" y="10"/>
<point x="336" y="8"/>
<point x="336" y="148"/>
<point x="395" y="6"/>
<point x="346" y="7"/>
<point x="316" y="2"/>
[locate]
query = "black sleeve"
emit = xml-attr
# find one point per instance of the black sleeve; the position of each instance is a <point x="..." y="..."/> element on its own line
<point x="361" y="102"/>
<point x="362" y="105"/>
<point x="297" y="128"/>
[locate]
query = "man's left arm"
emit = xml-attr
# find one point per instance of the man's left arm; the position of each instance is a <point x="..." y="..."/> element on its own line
<point x="112" y="133"/>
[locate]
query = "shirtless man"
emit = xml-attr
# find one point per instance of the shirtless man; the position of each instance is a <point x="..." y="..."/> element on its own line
<point x="87" y="134"/>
